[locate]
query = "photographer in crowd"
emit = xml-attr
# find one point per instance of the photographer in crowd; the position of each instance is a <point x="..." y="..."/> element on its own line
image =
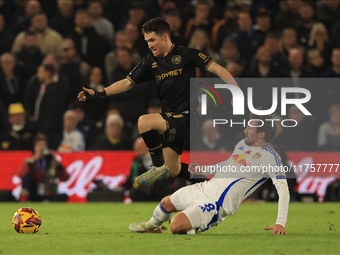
<point x="40" y="173"/>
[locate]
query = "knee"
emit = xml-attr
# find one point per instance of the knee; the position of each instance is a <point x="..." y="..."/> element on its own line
<point x="176" y="227"/>
<point x="167" y="205"/>
<point x="142" y="124"/>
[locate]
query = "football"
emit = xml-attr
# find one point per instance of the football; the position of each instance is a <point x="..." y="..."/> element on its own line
<point x="26" y="220"/>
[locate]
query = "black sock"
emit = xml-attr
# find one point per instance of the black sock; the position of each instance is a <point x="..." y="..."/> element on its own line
<point x="153" y="141"/>
<point x="184" y="173"/>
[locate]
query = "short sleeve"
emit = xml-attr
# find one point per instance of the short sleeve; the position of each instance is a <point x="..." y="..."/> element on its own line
<point x="139" y="74"/>
<point x="199" y="59"/>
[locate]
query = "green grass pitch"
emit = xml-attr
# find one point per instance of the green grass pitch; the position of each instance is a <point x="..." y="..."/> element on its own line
<point x="102" y="228"/>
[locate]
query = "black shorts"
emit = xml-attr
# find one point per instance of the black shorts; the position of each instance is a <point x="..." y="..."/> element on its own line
<point x="179" y="128"/>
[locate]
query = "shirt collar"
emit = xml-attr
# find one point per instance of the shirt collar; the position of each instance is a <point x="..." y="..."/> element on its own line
<point x="265" y="146"/>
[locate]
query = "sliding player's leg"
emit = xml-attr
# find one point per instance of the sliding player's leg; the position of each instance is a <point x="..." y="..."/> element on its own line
<point x="179" y="201"/>
<point x="195" y="219"/>
<point x="198" y="211"/>
<point x="162" y="213"/>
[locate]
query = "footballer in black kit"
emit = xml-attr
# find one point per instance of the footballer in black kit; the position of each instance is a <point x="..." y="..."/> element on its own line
<point x="172" y="75"/>
<point x="170" y="67"/>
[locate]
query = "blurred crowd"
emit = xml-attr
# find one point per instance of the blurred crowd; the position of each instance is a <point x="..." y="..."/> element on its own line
<point x="49" y="50"/>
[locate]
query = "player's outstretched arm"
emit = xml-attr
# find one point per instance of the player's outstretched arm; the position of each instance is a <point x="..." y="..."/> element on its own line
<point x="195" y="168"/>
<point x="115" y="88"/>
<point x="277" y="229"/>
<point x="118" y="87"/>
<point x="281" y="186"/>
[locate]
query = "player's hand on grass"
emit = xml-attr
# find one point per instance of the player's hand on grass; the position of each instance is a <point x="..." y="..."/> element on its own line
<point x="280" y="230"/>
<point x="91" y="94"/>
<point x="195" y="168"/>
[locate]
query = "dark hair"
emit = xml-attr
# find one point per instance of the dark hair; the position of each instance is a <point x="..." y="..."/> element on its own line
<point x="40" y="13"/>
<point x="29" y="33"/>
<point x="308" y="3"/>
<point x="136" y="5"/>
<point x="97" y="67"/>
<point x="271" y="35"/>
<point x="82" y="11"/>
<point x="112" y="106"/>
<point x="202" y="2"/>
<point x="125" y="49"/>
<point x="173" y="13"/>
<point x="245" y="12"/>
<point x="157" y="25"/>
<point x="40" y="137"/>
<point x="230" y="40"/>
<point x="50" y="69"/>
<point x="270" y="128"/>
<point x="77" y="104"/>
<point x="94" y="2"/>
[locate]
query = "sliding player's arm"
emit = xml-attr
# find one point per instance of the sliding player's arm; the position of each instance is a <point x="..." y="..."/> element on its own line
<point x="195" y="168"/>
<point x="283" y="204"/>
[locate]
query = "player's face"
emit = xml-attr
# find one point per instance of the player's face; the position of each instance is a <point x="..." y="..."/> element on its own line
<point x="251" y="136"/>
<point x="156" y="43"/>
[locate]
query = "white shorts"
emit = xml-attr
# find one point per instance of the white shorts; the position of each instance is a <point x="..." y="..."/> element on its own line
<point x="199" y="207"/>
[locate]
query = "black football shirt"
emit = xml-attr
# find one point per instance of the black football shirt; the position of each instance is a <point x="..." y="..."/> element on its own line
<point x="172" y="75"/>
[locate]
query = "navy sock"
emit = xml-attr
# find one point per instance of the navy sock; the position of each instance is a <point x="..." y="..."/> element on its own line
<point x="184" y="173"/>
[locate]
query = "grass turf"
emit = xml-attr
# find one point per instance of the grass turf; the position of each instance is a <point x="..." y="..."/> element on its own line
<point x="102" y="228"/>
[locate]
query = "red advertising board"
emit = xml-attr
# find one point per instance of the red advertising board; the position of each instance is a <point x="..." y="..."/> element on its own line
<point x="314" y="171"/>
